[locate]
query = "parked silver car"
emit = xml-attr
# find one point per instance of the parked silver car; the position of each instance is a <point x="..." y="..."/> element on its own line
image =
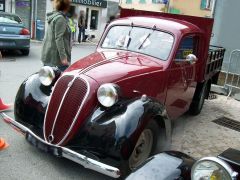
<point x="13" y="34"/>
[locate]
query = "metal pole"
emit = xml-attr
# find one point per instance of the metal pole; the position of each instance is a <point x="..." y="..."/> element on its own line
<point x="11" y="6"/>
<point x="36" y="13"/>
<point x="213" y="8"/>
<point x="32" y="17"/>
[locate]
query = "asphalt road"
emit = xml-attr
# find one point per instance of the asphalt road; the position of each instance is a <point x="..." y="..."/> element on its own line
<point x="21" y="160"/>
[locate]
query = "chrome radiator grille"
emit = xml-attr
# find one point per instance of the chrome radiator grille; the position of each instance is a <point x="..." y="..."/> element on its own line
<point x="64" y="108"/>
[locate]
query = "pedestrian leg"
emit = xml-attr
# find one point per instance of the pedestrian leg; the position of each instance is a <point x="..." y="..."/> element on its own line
<point x="79" y="35"/>
<point x="84" y="37"/>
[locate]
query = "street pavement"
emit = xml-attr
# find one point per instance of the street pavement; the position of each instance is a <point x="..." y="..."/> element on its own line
<point x="197" y="136"/>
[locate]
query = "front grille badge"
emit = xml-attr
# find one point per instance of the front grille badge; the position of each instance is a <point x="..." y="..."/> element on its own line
<point x="51" y="138"/>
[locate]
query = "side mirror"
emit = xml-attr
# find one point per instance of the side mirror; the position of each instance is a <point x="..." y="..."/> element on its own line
<point x="191" y="59"/>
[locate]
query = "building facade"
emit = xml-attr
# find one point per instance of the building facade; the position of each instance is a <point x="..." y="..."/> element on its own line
<point x="33" y="13"/>
<point x="226" y="29"/>
<point x="151" y="5"/>
<point x="97" y="13"/>
<point x="202" y="8"/>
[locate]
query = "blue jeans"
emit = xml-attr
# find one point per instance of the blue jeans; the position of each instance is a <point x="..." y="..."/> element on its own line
<point x="81" y="35"/>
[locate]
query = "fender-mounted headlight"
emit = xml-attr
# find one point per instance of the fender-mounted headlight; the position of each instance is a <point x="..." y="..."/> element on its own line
<point x="108" y="94"/>
<point x="212" y="168"/>
<point x="46" y="75"/>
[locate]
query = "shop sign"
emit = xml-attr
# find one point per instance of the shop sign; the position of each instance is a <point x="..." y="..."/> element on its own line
<point x="96" y="3"/>
<point x="23" y="3"/>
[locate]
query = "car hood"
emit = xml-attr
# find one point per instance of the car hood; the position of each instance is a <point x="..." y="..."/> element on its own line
<point x="112" y="66"/>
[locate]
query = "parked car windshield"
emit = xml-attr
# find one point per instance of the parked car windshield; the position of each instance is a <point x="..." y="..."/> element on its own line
<point x="7" y="18"/>
<point x="151" y="42"/>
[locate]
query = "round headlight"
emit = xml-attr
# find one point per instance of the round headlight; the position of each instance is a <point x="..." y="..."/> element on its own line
<point x="212" y="168"/>
<point x="108" y="94"/>
<point x="46" y="75"/>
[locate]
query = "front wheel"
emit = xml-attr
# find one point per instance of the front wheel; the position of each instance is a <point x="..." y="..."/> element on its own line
<point x="144" y="147"/>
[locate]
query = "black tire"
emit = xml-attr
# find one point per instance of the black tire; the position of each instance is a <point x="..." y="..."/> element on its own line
<point x="25" y="52"/>
<point x="198" y="99"/>
<point x="154" y="127"/>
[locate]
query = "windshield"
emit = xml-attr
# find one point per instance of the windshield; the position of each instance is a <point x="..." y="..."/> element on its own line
<point x="137" y="39"/>
<point x="6" y="18"/>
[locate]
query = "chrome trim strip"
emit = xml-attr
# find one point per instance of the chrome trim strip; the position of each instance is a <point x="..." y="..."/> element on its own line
<point x="222" y="163"/>
<point x="228" y="160"/>
<point x="59" y="108"/>
<point x="68" y="153"/>
<point x="79" y="110"/>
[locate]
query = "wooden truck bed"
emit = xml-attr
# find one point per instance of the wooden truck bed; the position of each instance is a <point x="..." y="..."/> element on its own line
<point x="214" y="62"/>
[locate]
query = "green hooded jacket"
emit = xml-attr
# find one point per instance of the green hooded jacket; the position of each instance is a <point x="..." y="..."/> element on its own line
<point x="57" y="41"/>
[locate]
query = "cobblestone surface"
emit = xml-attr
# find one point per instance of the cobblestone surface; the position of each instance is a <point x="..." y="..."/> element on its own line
<point x="198" y="136"/>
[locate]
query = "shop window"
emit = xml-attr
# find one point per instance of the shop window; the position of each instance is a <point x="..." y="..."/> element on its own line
<point x="206" y="4"/>
<point x="94" y="20"/>
<point x="142" y="1"/>
<point x="128" y="1"/>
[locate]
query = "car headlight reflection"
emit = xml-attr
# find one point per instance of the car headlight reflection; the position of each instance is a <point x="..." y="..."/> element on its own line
<point x="46" y="75"/>
<point x="108" y="94"/>
<point x="212" y="168"/>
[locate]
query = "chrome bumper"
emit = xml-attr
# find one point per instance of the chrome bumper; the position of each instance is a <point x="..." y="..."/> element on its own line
<point x="62" y="151"/>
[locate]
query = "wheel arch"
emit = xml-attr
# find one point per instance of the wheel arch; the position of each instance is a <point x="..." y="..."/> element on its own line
<point x="31" y="101"/>
<point x="165" y="123"/>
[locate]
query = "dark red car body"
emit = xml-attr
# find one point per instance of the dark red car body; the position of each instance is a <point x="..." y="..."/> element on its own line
<point x="72" y="114"/>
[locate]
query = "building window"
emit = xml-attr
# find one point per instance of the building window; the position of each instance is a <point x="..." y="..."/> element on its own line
<point x="206" y="4"/>
<point x="159" y="1"/>
<point x="128" y="1"/>
<point x="156" y="1"/>
<point x="142" y="1"/>
<point x="94" y="20"/>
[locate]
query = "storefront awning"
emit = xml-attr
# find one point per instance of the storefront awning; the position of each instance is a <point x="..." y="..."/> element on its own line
<point x="96" y="3"/>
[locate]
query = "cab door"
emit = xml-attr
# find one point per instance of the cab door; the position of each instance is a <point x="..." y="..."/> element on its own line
<point x="182" y="78"/>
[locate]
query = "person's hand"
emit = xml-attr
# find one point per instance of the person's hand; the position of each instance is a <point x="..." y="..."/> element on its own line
<point x="65" y="62"/>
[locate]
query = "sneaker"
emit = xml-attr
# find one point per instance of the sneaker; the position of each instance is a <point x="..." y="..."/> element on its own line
<point x="4" y="107"/>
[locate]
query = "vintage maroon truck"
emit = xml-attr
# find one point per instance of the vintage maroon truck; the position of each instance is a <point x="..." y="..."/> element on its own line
<point x="114" y="108"/>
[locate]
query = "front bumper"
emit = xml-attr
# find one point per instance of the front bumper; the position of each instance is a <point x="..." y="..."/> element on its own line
<point x="62" y="151"/>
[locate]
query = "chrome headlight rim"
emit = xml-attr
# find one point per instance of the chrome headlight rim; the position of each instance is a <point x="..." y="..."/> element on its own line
<point x="110" y="88"/>
<point x="224" y="165"/>
<point x="46" y="75"/>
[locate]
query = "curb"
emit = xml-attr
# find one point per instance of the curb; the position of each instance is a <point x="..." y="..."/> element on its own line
<point x="219" y="89"/>
<point x="89" y="43"/>
<point x="223" y="91"/>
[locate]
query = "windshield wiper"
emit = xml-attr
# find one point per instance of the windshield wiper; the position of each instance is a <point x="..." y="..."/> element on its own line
<point x="153" y="28"/>
<point x="129" y="35"/>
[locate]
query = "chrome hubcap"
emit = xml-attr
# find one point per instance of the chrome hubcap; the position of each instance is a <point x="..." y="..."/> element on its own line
<point x="142" y="149"/>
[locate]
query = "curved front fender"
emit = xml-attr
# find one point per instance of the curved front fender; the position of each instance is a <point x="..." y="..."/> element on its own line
<point x="31" y="102"/>
<point x="165" y="166"/>
<point x="114" y="131"/>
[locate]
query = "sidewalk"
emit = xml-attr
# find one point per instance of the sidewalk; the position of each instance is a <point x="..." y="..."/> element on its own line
<point x="198" y="136"/>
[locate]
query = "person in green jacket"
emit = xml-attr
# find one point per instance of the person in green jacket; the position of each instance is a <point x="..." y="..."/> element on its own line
<point x="57" y="42"/>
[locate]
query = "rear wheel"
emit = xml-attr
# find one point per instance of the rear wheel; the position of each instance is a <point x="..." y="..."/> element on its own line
<point x="25" y="52"/>
<point x="198" y="99"/>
